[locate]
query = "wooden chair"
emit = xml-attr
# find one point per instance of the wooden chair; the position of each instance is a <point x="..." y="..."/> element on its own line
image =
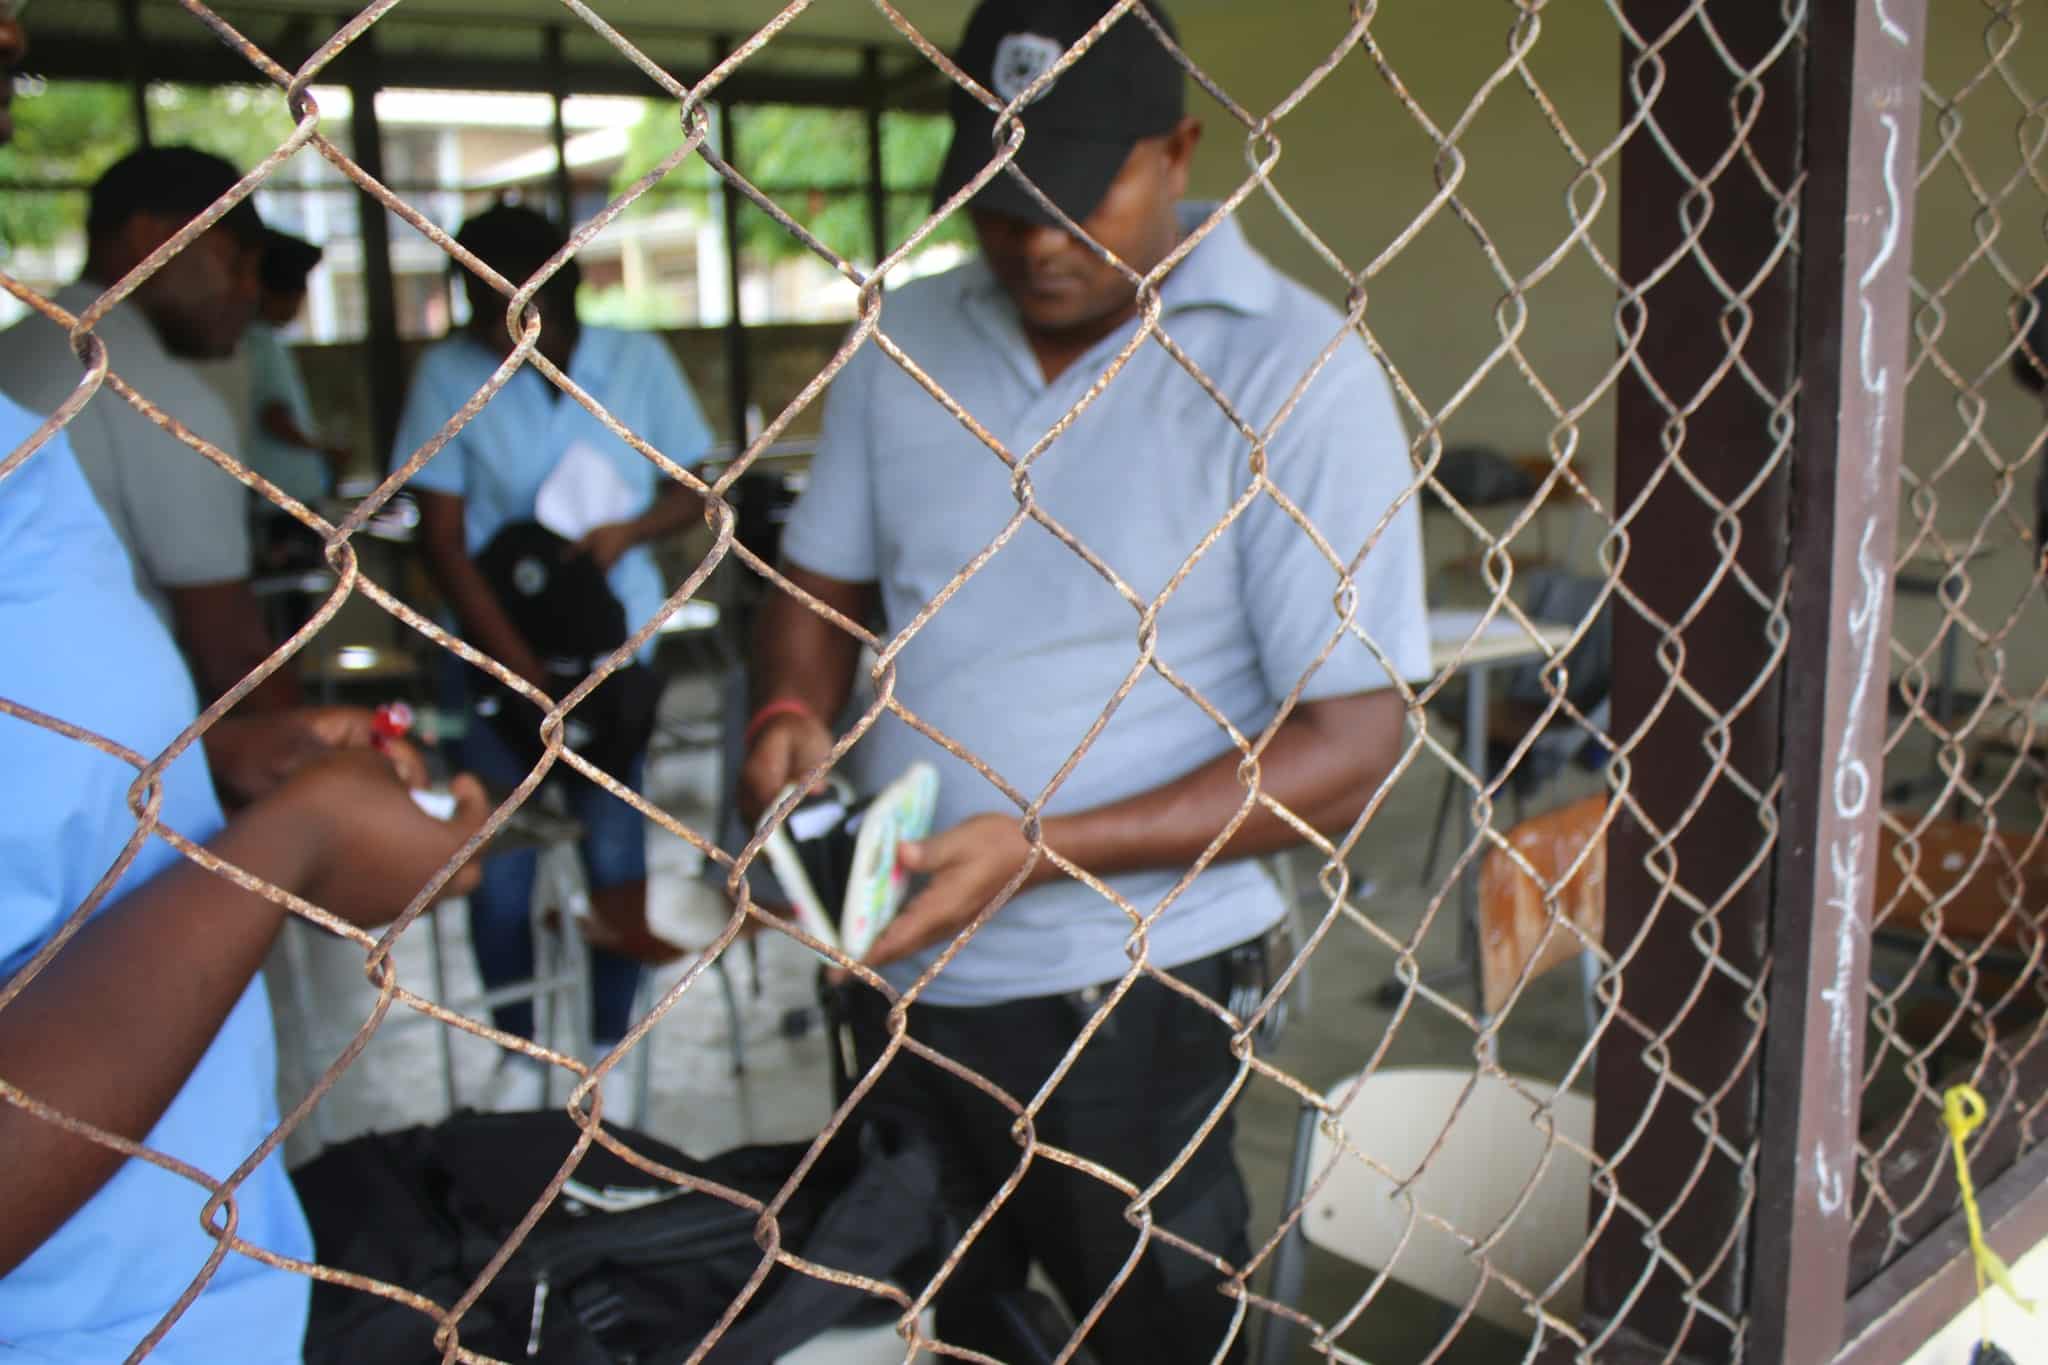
<point x="1976" y="888"/>
<point x="1517" y="927"/>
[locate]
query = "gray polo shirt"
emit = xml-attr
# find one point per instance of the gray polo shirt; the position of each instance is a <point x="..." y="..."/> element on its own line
<point x="183" y="521"/>
<point x="1025" y="658"/>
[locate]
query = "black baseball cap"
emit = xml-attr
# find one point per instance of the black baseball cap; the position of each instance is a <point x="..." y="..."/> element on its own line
<point x="287" y="260"/>
<point x="1080" y="130"/>
<point x="172" y="182"/>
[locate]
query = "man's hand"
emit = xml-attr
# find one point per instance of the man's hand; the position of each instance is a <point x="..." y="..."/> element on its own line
<point x="605" y="544"/>
<point x="969" y="866"/>
<point x="252" y="755"/>
<point x="788" y="746"/>
<point x="367" y="848"/>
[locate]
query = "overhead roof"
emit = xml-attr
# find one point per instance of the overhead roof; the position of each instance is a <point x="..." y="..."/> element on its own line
<point x="832" y="51"/>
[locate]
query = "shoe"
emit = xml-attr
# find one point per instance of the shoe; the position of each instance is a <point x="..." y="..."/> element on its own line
<point x="835" y="856"/>
<point x="519" y="1083"/>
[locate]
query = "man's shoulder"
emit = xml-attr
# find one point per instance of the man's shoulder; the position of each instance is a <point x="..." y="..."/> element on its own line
<point x="1291" y="319"/>
<point x="37" y="367"/>
<point x="450" y="355"/>
<point x="620" y="348"/>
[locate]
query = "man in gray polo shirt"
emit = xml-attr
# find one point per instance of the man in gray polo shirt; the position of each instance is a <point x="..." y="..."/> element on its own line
<point x="1026" y="657"/>
<point x="183" y="521"/>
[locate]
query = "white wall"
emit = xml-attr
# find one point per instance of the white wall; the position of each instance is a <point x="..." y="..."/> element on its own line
<point x="1360" y="169"/>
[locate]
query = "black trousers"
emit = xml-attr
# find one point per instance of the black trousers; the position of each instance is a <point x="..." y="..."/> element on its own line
<point x="1132" y="1101"/>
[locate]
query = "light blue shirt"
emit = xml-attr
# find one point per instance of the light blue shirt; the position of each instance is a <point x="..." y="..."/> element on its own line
<point x="274" y="378"/>
<point x="1028" y="655"/>
<point x="83" y="647"/>
<point x="498" y="462"/>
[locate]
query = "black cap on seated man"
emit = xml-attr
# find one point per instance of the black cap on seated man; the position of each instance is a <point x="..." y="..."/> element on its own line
<point x="1080" y="129"/>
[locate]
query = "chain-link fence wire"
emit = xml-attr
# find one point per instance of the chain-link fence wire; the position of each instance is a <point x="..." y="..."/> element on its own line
<point x="1958" y="981"/>
<point x="1342" y="907"/>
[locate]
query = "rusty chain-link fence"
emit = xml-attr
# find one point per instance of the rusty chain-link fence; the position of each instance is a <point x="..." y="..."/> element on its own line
<point x="1731" y="1147"/>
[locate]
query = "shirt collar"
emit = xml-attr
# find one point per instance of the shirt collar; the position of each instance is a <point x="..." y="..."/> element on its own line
<point x="1221" y="272"/>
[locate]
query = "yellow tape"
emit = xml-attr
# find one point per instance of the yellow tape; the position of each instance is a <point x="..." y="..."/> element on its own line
<point x="1963" y="1110"/>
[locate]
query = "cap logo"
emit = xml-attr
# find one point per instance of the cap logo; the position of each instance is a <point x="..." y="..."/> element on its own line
<point x="1022" y="58"/>
<point x="529" y="576"/>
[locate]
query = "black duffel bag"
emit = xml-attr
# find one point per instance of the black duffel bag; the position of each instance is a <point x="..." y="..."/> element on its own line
<point x="635" y="1271"/>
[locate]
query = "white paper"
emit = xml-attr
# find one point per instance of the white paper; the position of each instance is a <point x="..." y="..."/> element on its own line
<point x="584" y="491"/>
<point x="440" y="805"/>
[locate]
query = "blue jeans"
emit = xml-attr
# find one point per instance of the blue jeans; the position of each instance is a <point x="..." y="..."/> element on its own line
<point x="614" y="849"/>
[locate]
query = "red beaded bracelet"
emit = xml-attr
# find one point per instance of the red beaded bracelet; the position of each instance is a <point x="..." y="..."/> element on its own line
<point x="781" y="706"/>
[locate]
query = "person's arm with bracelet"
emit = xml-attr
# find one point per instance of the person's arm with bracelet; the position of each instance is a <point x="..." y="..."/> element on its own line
<point x="459" y="581"/>
<point x="803" y="675"/>
<point x="1323" y="764"/>
<point x="111" y="1029"/>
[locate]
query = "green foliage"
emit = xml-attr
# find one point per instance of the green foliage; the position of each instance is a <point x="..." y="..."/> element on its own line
<point x="813" y="162"/>
<point x="69" y="131"/>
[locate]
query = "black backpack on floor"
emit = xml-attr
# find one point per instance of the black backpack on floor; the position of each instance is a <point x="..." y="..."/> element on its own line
<point x="426" y="1208"/>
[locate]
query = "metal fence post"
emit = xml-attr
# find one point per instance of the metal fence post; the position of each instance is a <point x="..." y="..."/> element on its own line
<point x="380" y="284"/>
<point x="1703" y="434"/>
<point x="1862" y="111"/>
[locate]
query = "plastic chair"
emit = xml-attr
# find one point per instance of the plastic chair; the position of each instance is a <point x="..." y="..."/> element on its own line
<point x="878" y="1345"/>
<point x="1510" y="1174"/>
<point x="1516" y="928"/>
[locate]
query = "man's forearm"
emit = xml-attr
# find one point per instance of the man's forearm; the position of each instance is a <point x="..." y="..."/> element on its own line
<point x="802" y="656"/>
<point x="1323" y="764"/>
<point x="220" y="629"/>
<point x="111" y="1029"/>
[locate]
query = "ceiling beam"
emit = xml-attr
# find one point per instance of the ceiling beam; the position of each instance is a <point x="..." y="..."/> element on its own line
<point x="59" y="56"/>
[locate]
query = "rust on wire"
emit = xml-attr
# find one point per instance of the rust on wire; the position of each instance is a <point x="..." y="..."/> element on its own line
<point x="1722" y="615"/>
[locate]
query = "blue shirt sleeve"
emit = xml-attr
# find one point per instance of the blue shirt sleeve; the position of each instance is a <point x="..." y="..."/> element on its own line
<point x="84" y="648"/>
<point x="678" y="428"/>
<point x="274" y="376"/>
<point x="429" y="402"/>
<point x="1341" y="457"/>
<point x="831" y="530"/>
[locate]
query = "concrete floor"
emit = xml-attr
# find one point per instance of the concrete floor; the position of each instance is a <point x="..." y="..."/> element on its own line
<point x="702" y="1106"/>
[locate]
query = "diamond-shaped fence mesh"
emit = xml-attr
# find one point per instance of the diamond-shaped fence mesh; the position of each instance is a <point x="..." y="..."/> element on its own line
<point x="1458" y="1135"/>
<point x="1956" y="983"/>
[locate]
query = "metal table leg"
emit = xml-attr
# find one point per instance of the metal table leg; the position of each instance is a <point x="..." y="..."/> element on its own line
<point x="1464" y="969"/>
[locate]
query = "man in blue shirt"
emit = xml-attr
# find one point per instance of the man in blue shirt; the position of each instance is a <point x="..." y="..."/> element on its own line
<point x="1252" y="576"/>
<point x="489" y="475"/>
<point x="145" y="1018"/>
<point x="149" y="1021"/>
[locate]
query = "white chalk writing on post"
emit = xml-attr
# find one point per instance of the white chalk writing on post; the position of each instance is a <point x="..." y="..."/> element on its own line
<point x="1851" y="785"/>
